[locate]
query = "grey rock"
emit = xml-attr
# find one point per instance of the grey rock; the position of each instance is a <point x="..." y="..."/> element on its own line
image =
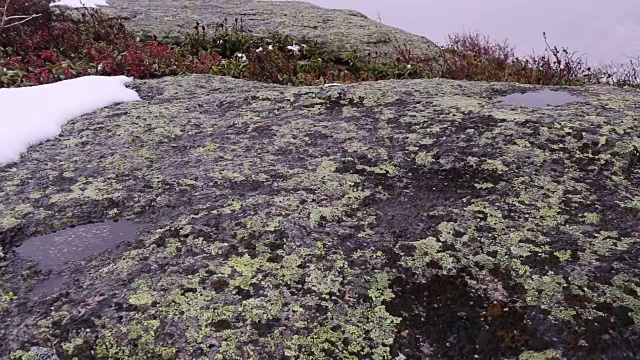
<point x="407" y="217"/>
<point x="41" y="353"/>
<point x="339" y="30"/>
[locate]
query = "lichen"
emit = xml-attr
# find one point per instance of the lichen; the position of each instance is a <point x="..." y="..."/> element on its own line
<point x="429" y="221"/>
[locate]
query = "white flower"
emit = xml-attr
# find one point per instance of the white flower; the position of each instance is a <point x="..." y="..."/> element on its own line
<point x="259" y="49"/>
<point x="242" y="57"/>
<point x="220" y="42"/>
<point x="294" y="47"/>
<point x="270" y="47"/>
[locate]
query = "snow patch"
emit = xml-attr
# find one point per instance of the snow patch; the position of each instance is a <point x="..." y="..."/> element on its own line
<point x="80" y="3"/>
<point x="34" y="114"/>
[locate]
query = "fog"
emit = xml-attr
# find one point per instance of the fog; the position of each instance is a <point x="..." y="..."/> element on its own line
<point x="603" y="31"/>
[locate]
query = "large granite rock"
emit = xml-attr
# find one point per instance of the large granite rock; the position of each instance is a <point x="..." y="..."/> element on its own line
<point x="339" y="30"/>
<point x="396" y="219"/>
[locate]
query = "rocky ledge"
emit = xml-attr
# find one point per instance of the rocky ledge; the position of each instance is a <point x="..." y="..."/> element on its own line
<point x="417" y="219"/>
<point x="337" y="30"/>
<point x="397" y="219"/>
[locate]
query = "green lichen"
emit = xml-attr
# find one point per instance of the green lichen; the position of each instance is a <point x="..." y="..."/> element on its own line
<point x="142" y="297"/>
<point x="23" y="355"/>
<point x="542" y="355"/>
<point x="275" y="226"/>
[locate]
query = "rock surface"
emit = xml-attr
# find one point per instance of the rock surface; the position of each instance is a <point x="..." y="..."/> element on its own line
<point x="397" y="219"/>
<point x="338" y="29"/>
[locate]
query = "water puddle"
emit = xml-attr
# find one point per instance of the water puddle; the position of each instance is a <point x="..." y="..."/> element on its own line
<point x="540" y="99"/>
<point x="50" y="285"/>
<point x="53" y="251"/>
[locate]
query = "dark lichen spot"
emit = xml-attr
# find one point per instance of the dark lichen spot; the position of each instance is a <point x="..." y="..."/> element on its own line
<point x="450" y="316"/>
<point x="221" y="325"/>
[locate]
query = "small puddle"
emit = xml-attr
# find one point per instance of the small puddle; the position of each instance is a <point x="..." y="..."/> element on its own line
<point x="540" y="99"/>
<point x="53" y="251"/>
<point x="50" y="285"/>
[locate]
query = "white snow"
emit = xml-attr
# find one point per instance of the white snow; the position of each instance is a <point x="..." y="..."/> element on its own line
<point x="31" y="115"/>
<point x="80" y="3"/>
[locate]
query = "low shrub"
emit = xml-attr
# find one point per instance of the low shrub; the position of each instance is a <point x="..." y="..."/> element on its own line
<point x="52" y="44"/>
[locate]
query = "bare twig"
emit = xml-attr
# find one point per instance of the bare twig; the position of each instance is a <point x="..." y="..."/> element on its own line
<point x="21" y="18"/>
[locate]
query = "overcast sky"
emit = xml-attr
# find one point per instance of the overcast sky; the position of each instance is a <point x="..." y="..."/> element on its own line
<point x="605" y="30"/>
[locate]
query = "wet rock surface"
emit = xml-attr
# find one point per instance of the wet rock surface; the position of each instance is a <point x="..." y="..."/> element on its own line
<point x="54" y="252"/>
<point x="338" y="30"/>
<point x="542" y="98"/>
<point x="416" y="219"/>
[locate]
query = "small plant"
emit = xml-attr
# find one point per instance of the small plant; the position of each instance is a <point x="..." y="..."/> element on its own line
<point x="625" y="74"/>
<point x="474" y="57"/>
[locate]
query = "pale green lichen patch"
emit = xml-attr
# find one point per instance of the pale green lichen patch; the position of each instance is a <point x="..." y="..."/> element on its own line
<point x="401" y="219"/>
